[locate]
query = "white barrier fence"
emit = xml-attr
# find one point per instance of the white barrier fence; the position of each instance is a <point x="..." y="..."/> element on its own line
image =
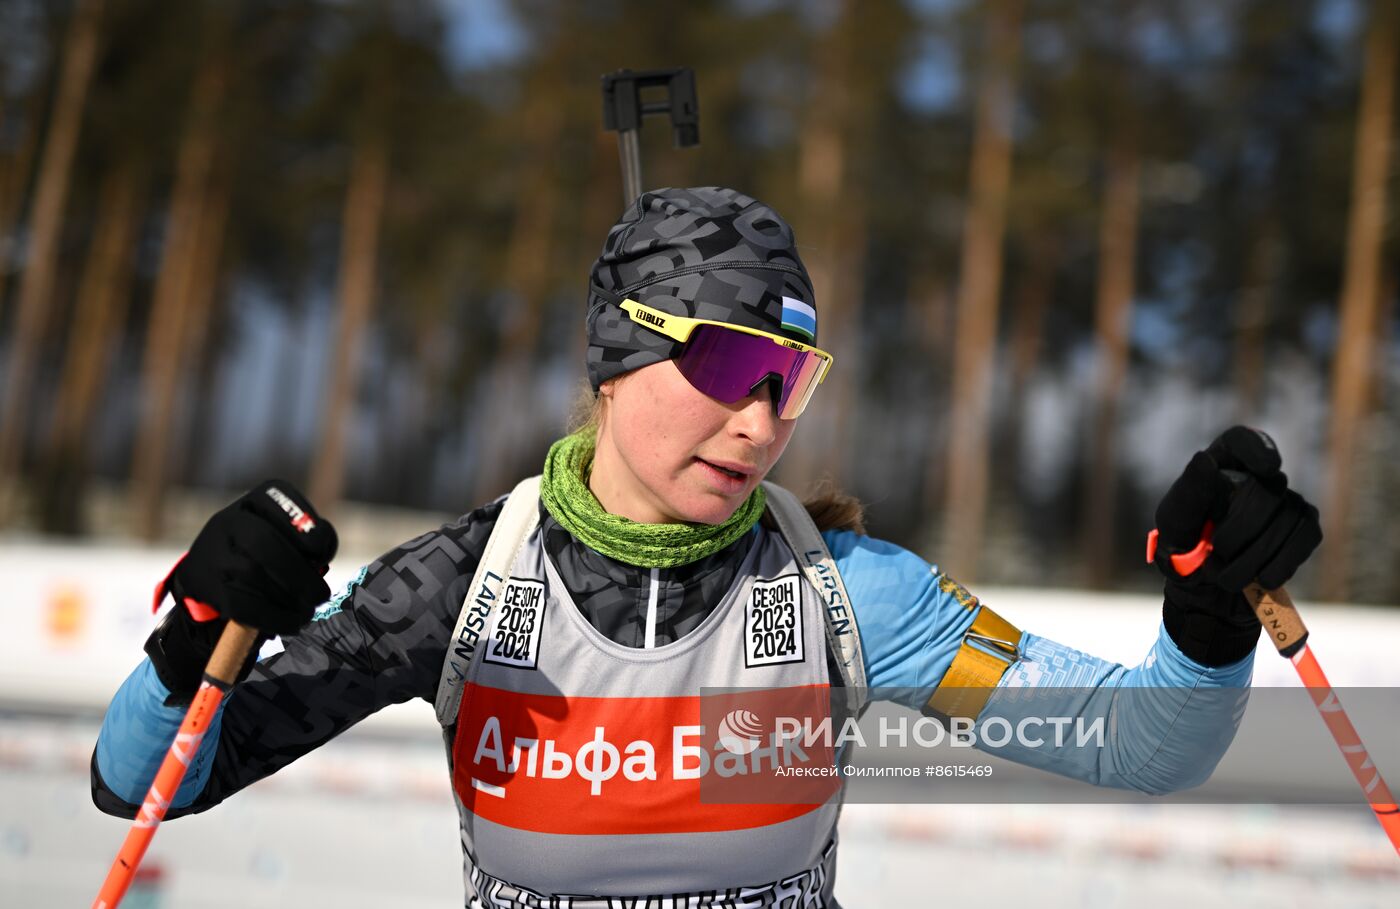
<point x="75" y="617"/>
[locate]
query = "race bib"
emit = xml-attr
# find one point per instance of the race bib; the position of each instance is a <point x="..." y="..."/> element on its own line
<point x="515" y="639"/>
<point x="773" y="622"/>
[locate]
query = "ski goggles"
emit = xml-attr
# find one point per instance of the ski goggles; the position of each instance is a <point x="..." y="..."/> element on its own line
<point x="730" y="362"/>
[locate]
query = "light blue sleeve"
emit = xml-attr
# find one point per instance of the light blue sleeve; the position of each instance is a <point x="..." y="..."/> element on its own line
<point x="1158" y="727"/>
<point x="910" y="620"/>
<point x="1168" y="721"/>
<point x="136" y="734"/>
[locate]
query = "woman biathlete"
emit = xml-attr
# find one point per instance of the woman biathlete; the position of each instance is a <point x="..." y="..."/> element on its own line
<point x="565" y="633"/>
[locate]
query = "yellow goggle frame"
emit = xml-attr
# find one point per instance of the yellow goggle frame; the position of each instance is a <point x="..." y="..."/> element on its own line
<point x="678" y="328"/>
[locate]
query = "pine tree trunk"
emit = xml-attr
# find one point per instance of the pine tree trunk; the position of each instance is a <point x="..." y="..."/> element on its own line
<point x="929" y="325"/>
<point x="600" y="206"/>
<point x="171" y="306"/>
<point x="1118" y="233"/>
<point x="16" y="176"/>
<point x="1029" y="309"/>
<point x="359" y="275"/>
<point x="103" y="298"/>
<point x="527" y="277"/>
<point x="208" y="253"/>
<point x="45" y="229"/>
<point x="1360" y="297"/>
<point x="832" y="223"/>
<point x="1385" y="331"/>
<point x="1261" y="278"/>
<point x="1032" y="302"/>
<point x="848" y="292"/>
<point x="978" y="295"/>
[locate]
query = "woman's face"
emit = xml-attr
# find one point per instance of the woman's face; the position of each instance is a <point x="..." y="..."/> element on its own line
<point x="667" y="452"/>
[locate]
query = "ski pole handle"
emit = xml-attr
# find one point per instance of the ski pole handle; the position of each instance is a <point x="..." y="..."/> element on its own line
<point x="229" y="653"/>
<point x="1279" y="617"/>
<point x="219" y="675"/>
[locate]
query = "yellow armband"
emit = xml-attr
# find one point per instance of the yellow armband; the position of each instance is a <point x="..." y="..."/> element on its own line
<point x="988" y="648"/>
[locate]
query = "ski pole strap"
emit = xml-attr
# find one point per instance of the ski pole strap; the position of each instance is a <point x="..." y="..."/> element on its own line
<point x="514" y="525"/>
<point x="989" y="647"/>
<point x="842" y="633"/>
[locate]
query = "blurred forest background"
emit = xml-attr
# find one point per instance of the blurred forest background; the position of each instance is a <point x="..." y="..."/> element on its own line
<point x="1058" y="246"/>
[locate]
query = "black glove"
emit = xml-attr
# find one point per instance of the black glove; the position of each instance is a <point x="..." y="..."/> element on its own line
<point x="1263" y="531"/>
<point x="260" y="562"/>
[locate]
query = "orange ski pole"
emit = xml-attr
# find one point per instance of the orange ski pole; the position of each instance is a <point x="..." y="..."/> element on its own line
<point x="1285" y="627"/>
<point x="219" y="675"/>
<point x="1280" y="618"/>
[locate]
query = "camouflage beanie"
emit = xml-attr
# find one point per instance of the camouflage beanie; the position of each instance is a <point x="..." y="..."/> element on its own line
<point x="707" y="253"/>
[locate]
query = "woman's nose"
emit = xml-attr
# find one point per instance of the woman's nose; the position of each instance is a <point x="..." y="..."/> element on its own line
<point x="757" y="416"/>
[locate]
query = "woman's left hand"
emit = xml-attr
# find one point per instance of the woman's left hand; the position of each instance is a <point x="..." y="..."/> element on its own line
<point x="1264" y="531"/>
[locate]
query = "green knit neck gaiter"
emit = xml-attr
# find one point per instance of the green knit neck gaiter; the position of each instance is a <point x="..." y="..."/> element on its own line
<point x="565" y="493"/>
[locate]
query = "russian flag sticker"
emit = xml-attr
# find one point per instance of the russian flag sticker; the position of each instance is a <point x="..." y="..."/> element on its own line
<point x="800" y="318"/>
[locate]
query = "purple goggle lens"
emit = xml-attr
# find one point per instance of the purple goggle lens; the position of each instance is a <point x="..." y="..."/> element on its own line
<point x="730" y="365"/>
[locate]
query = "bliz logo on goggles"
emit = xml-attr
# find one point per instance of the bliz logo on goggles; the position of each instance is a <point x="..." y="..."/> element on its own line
<point x="647" y="316"/>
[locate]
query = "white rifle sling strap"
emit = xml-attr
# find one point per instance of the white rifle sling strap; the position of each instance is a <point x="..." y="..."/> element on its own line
<point x="842" y="635"/>
<point x="518" y="519"/>
<point x="514" y="525"/>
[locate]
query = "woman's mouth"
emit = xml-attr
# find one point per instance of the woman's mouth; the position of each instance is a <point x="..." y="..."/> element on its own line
<point x="729" y="478"/>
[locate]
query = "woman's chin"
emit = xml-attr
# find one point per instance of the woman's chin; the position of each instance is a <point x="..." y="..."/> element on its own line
<point x="709" y="508"/>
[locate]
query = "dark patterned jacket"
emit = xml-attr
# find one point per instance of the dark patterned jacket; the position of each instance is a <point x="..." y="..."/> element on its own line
<point x="388" y="647"/>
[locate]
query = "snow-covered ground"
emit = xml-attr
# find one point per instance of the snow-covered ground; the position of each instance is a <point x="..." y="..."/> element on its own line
<point x="368" y="822"/>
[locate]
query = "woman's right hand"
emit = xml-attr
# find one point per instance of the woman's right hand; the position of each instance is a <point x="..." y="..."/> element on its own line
<point x="260" y="562"/>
